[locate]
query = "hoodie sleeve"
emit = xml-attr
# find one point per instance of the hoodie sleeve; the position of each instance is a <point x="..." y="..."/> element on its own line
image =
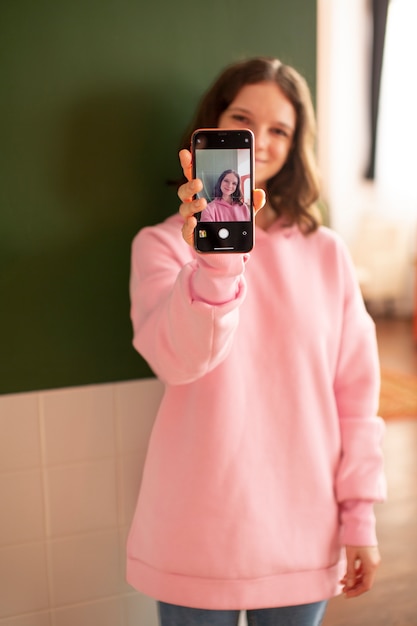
<point x="184" y="306"/>
<point x="360" y="479"/>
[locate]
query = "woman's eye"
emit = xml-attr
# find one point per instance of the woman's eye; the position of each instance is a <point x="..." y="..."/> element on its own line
<point x="280" y="131"/>
<point x="239" y="118"/>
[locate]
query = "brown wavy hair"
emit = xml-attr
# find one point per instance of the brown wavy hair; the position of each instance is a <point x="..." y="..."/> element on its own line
<point x="294" y="190"/>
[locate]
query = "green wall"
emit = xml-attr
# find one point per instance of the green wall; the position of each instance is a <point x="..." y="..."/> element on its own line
<point x="95" y="95"/>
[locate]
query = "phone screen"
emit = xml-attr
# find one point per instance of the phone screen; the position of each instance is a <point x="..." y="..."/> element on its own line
<point x="223" y="160"/>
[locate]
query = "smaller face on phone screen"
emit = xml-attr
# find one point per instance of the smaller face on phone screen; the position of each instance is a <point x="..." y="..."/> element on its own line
<point x="223" y="161"/>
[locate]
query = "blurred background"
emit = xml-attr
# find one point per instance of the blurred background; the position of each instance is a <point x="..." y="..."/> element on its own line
<point x="367" y="138"/>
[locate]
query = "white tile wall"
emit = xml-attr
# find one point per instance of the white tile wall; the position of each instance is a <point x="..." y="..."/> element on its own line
<point x="23" y="579"/>
<point x="79" y="424"/>
<point x="82" y="497"/>
<point x="20" y="436"/>
<point x="30" y="619"/>
<point x="70" y="469"/>
<point x="104" y="613"/>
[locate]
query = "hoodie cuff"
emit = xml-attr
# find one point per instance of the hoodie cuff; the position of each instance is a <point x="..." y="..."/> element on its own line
<point x="218" y="278"/>
<point x="358" y="526"/>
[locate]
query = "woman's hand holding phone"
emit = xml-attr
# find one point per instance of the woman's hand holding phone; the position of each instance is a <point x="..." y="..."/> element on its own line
<point x="191" y="205"/>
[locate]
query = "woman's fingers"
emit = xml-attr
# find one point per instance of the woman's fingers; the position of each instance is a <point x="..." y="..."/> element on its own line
<point x="189" y="203"/>
<point x="188" y="230"/>
<point x="187" y="191"/>
<point x="186" y="163"/>
<point x="259" y="199"/>
<point x="189" y="207"/>
<point x="361" y="565"/>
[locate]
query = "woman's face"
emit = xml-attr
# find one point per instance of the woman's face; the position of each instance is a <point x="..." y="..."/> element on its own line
<point x="265" y="110"/>
<point x="228" y="185"/>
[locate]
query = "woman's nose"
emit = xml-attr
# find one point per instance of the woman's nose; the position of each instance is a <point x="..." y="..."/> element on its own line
<point x="261" y="138"/>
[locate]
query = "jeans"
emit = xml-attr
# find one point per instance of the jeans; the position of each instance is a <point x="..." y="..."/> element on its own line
<point x="300" y="615"/>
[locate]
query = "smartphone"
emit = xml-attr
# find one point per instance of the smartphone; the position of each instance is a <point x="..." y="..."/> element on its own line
<point x="223" y="161"/>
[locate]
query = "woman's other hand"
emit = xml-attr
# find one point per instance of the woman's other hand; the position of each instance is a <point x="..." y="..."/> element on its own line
<point x="190" y="205"/>
<point x="362" y="563"/>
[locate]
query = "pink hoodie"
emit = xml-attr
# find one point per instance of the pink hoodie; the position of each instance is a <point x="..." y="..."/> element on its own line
<point x="265" y="455"/>
<point x="218" y="210"/>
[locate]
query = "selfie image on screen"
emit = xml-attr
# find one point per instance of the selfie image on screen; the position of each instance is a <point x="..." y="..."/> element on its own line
<point x="225" y="174"/>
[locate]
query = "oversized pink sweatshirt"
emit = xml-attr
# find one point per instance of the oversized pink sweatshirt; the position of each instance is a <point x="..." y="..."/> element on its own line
<point x="265" y="455"/>
<point x="218" y="210"/>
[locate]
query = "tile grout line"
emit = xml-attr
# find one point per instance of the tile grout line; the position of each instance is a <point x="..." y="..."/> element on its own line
<point x="46" y="505"/>
<point x="120" y="498"/>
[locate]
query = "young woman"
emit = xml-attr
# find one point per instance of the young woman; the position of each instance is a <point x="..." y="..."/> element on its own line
<point x="265" y="457"/>
<point x="227" y="205"/>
